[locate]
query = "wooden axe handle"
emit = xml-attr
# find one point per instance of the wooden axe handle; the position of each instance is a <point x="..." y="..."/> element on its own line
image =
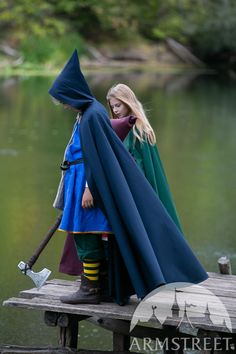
<point x="44" y="242"/>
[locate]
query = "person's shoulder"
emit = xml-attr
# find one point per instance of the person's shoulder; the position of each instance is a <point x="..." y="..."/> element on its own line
<point x="95" y="112"/>
<point x="95" y="108"/>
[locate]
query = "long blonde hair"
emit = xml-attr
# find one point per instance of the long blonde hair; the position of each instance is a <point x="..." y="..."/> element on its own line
<point x="142" y="129"/>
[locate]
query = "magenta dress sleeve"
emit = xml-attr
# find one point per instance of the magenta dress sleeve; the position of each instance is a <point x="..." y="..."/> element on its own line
<point x="122" y="126"/>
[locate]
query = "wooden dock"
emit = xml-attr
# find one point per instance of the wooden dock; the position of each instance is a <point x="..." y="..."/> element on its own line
<point x="117" y="318"/>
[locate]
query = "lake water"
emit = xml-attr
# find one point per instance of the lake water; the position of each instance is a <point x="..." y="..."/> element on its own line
<point x="194" y="117"/>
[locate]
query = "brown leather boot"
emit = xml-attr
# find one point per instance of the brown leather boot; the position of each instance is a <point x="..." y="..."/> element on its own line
<point x="88" y="293"/>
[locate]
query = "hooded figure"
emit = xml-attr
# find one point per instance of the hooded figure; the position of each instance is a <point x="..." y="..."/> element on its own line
<point x="147" y="249"/>
<point x="70" y="263"/>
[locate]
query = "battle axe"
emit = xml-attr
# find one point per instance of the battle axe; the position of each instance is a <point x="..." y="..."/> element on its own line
<point x="39" y="278"/>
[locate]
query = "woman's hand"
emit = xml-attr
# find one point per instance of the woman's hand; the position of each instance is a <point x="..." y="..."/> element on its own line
<point x="87" y="200"/>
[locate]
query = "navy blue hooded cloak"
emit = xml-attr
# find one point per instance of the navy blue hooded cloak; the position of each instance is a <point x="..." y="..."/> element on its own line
<point x="148" y="249"/>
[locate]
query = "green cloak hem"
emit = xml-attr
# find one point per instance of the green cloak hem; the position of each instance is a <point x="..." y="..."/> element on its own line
<point x="148" y="159"/>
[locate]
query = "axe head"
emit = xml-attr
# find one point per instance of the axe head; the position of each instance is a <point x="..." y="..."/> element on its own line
<point x="38" y="278"/>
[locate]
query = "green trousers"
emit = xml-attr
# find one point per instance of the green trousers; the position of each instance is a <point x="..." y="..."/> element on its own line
<point x="89" y="246"/>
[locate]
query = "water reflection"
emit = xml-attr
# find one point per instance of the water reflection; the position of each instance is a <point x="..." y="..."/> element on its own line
<point x="194" y="119"/>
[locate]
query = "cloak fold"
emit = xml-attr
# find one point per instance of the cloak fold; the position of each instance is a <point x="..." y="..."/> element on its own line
<point x="152" y="247"/>
<point x="148" y="159"/>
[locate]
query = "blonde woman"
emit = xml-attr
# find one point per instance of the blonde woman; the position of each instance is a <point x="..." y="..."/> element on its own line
<point x="141" y="143"/>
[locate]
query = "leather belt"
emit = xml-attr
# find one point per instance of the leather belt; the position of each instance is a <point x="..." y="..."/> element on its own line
<point x="65" y="165"/>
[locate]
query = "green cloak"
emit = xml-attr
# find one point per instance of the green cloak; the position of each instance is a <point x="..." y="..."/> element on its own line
<point x="148" y="159"/>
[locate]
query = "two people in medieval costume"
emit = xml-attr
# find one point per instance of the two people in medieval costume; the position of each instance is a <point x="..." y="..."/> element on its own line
<point x="116" y="200"/>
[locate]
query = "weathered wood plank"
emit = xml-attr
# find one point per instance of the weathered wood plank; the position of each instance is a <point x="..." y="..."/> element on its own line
<point x="63" y="281"/>
<point x="106" y="310"/>
<point x="47" y="299"/>
<point x="227" y="285"/>
<point x="56" y="288"/>
<point x="12" y="349"/>
<point x="224" y="277"/>
<point x="221" y="276"/>
<point x="121" y="342"/>
<point x="51" y="292"/>
<point x="123" y="327"/>
<point x="218" y="283"/>
<point x="69" y="329"/>
<point x="48" y="291"/>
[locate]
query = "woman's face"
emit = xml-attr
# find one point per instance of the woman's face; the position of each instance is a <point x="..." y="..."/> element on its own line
<point x="119" y="108"/>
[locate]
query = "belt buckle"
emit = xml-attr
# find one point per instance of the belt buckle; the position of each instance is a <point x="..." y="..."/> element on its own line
<point x="65" y="165"/>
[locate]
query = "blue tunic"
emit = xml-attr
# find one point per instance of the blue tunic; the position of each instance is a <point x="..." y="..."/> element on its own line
<point x="76" y="218"/>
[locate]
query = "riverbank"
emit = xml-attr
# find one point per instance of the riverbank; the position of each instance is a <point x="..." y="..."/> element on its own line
<point x="168" y="57"/>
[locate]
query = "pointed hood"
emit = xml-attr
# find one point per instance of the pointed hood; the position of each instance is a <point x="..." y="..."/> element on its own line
<point x="70" y="87"/>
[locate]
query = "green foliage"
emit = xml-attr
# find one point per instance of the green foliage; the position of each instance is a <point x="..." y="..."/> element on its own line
<point x="38" y="49"/>
<point x="172" y="27"/>
<point x="99" y="19"/>
<point x="24" y="17"/>
<point x="213" y="30"/>
<point x="40" y="26"/>
<point x="209" y="26"/>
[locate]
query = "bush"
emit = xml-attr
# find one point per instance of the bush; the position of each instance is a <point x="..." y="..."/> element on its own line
<point x="44" y="49"/>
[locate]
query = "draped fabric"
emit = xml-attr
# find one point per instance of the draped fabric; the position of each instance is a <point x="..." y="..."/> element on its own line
<point x="152" y="249"/>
